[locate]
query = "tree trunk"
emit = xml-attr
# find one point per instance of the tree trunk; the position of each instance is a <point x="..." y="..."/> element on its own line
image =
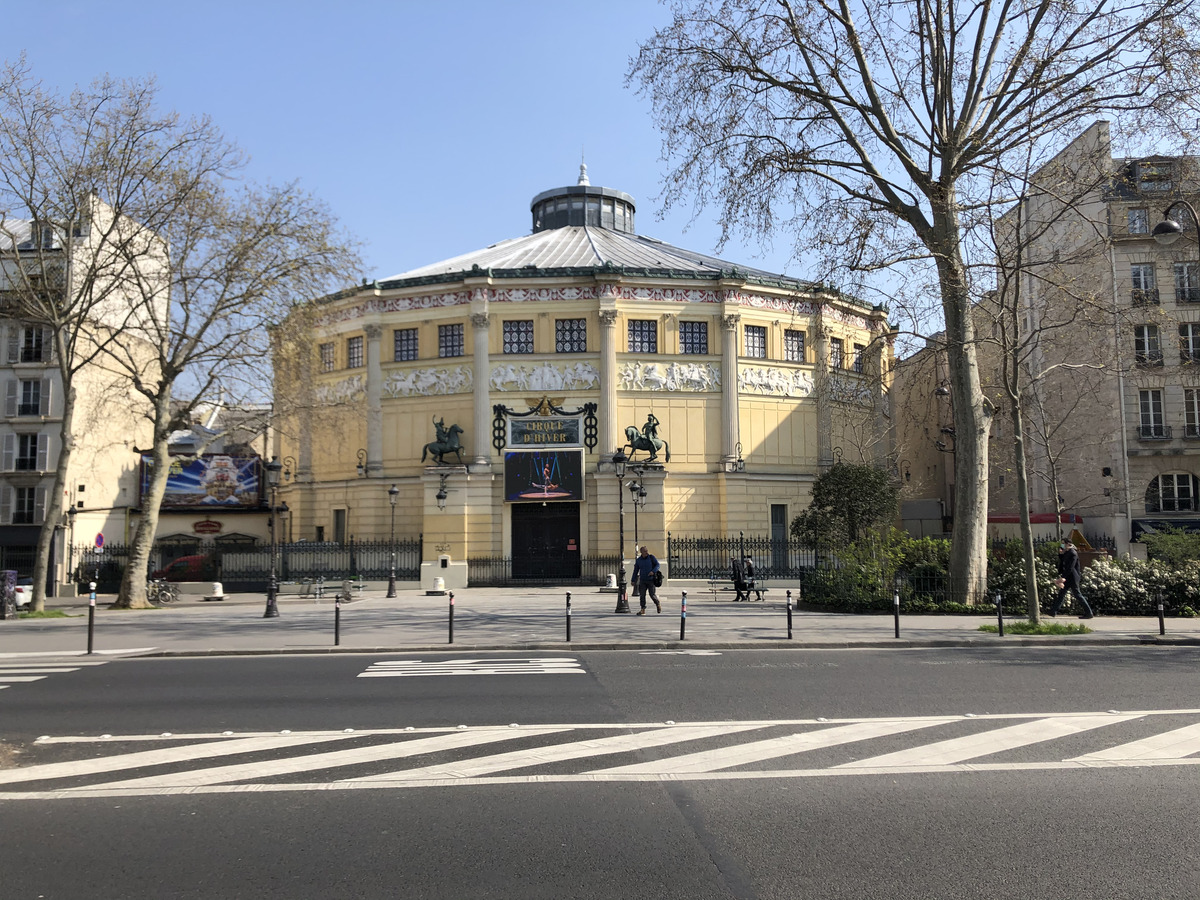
<point x="133" y="582"/>
<point x="1031" y="588"/>
<point x="54" y="497"/>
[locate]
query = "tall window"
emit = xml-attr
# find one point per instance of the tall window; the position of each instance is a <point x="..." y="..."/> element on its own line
<point x="33" y="345"/>
<point x="1189" y="342"/>
<point x="1142" y="277"/>
<point x="1150" y="406"/>
<point x="450" y="341"/>
<point x="24" y="506"/>
<point x="1155" y="176"/>
<point x="27" y="452"/>
<point x="518" y="336"/>
<point x="1187" y="283"/>
<point x="1147" y="350"/>
<point x="859" y="352"/>
<point x="793" y="345"/>
<point x="756" y="341"/>
<point x="693" y="337"/>
<point x="354" y="352"/>
<point x="570" y="335"/>
<point x="404" y="344"/>
<point x="1175" y="492"/>
<point x="837" y="356"/>
<point x="30" y="399"/>
<point x="326" y="357"/>
<point x="643" y="336"/>
<point x="1139" y="221"/>
<point x="1191" y="412"/>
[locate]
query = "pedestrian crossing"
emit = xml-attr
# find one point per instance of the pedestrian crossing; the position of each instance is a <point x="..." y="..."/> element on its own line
<point x="461" y="756"/>
<point x="18" y="669"/>
<point x="409" y="668"/>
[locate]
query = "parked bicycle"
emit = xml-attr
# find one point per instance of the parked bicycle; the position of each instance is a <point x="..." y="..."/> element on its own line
<point x="159" y="590"/>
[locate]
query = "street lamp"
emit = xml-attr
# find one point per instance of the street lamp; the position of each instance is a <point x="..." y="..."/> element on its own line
<point x="619" y="459"/>
<point x="273" y="469"/>
<point x="361" y="468"/>
<point x="1169" y="230"/>
<point x="71" y="513"/>
<point x="393" y="495"/>
<point x="289" y="464"/>
<point x="637" y="493"/>
<point x="441" y="495"/>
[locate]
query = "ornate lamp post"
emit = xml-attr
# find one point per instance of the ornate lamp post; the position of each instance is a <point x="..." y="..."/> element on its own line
<point x="393" y="495"/>
<point x="273" y="469"/>
<point x="289" y="466"/>
<point x="71" y="541"/>
<point x="619" y="460"/>
<point x="1168" y="231"/>
<point x="361" y="468"/>
<point x="637" y="493"/>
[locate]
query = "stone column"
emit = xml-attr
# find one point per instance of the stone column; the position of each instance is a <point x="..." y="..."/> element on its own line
<point x="374" y="402"/>
<point x="730" y="420"/>
<point x="822" y="391"/>
<point x="607" y="418"/>
<point x="481" y="440"/>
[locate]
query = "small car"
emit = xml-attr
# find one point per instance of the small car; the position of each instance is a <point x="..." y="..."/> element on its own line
<point x="187" y="568"/>
<point x="24" y="591"/>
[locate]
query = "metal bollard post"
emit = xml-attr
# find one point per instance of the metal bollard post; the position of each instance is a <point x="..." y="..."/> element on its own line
<point x="1000" y="612"/>
<point x="568" y="617"/>
<point x="451" y="617"/>
<point x="789" y="607"/>
<point x="337" y="619"/>
<point x="320" y="587"/>
<point x="896" y="608"/>
<point x="1162" y="624"/>
<point x="91" y="614"/>
<point x="683" y="616"/>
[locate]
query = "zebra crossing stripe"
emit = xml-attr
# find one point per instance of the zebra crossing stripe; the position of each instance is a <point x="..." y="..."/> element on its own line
<point x="416" y="667"/>
<point x="15" y="679"/>
<point x="773" y="748"/>
<point x="519" y="759"/>
<point x="328" y="760"/>
<point x="985" y="743"/>
<point x="161" y="756"/>
<point x="1177" y="744"/>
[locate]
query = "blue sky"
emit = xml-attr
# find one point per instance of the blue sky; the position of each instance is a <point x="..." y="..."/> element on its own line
<point x="427" y="127"/>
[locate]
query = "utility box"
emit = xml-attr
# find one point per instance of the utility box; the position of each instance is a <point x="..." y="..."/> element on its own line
<point x="451" y="574"/>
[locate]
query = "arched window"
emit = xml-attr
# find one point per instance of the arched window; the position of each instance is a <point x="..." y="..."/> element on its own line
<point x="1174" y="492"/>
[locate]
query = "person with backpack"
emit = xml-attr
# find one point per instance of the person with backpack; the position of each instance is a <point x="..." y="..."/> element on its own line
<point x="646" y="577"/>
<point x="1069" y="575"/>
<point x="748" y="568"/>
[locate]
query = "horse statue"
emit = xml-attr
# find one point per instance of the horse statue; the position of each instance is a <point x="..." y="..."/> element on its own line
<point x="442" y="447"/>
<point x="638" y="441"/>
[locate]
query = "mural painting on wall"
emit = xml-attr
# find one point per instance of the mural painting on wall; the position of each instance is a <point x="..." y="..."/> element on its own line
<point x="543" y="475"/>
<point x="647" y="439"/>
<point x="209" y="480"/>
<point x="447" y="442"/>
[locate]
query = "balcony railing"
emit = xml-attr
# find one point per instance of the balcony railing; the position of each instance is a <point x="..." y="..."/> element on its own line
<point x="1154" y="432"/>
<point x="1187" y="295"/>
<point x="1148" y="360"/>
<point x="1144" y="296"/>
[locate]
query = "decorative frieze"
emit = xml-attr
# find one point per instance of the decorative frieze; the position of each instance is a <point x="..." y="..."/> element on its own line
<point x="580" y="376"/>
<point x="424" y="382"/>
<point x="774" y="381"/>
<point x="344" y="391"/>
<point x="694" y="377"/>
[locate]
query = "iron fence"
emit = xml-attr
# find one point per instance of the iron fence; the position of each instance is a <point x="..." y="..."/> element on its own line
<point x="499" y="571"/>
<point x="711" y="557"/>
<point x="1098" y="542"/>
<point x="248" y="568"/>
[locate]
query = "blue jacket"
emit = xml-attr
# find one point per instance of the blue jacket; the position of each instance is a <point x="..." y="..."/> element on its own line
<point x="643" y="566"/>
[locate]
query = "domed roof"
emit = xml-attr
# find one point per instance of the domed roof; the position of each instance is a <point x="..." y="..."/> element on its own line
<point x="576" y="230"/>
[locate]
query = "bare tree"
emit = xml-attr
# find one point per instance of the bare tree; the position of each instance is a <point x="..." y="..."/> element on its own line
<point x="886" y="125"/>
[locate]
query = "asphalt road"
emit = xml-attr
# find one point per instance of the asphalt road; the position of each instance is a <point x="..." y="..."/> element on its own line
<point x="665" y="774"/>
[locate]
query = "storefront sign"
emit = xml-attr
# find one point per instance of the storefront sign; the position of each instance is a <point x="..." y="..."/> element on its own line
<point x="207" y="526"/>
<point x="544" y="431"/>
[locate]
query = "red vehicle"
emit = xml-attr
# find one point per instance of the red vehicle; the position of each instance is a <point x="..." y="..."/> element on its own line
<point x="187" y="568"/>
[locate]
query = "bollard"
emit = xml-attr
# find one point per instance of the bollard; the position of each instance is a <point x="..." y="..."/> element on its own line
<point x="337" y="619"/>
<point x="789" y="607"/>
<point x="896" y="609"/>
<point x="91" y="614"/>
<point x="683" y="616"/>
<point x="1000" y="612"/>
<point x="1162" y="624"/>
<point x="568" y="617"/>
<point x="452" y="617"/>
<point x="320" y="587"/>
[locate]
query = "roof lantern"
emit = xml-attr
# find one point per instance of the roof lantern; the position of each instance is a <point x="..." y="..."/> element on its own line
<point x="581" y="204"/>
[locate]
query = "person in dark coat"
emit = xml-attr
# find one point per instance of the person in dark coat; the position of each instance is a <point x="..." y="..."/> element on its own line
<point x="1069" y="575"/>
<point x="737" y="574"/>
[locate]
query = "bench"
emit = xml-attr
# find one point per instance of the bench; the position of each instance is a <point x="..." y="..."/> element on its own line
<point x="760" y="589"/>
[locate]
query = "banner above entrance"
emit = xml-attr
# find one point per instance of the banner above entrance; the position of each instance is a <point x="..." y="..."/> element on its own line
<point x="545" y="431"/>
<point x="545" y="476"/>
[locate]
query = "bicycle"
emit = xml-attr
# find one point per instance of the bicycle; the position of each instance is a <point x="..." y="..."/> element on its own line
<point x="159" y="590"/>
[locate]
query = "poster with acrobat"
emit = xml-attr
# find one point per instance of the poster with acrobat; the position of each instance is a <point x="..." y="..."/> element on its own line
<point x="543" y="475"/>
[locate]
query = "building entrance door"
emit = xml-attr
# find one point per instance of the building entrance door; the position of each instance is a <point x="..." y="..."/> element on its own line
<point x="545" y="540"/>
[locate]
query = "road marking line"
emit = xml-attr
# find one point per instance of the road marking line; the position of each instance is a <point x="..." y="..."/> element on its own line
<point x="72" y="653"/>
<point x="159" y="757"/>
<point x="519" y="759"/>
<point x="725" y="757"/>
<point x="986" y="743"/>
<point x="26" y="670"/>
<point x="1177" y="744"/>
<point x="20" y="678"/>
<point x="333" y="759"/>
<point x="418" y="667"/>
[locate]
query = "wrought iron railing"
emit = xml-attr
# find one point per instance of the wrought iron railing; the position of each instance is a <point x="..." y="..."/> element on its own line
<point x="709" y="557"/>
<point x="504" y="571"/>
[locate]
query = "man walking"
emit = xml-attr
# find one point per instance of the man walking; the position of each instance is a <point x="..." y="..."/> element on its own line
<point x="644" y="569"/>
<point x="1069" y="575"/>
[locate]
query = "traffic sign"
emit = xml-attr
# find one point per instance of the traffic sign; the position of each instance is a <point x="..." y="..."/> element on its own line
<point x="100" y="540"/>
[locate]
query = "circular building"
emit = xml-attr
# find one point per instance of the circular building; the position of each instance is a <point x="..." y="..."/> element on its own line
<point x="492" y="390"/>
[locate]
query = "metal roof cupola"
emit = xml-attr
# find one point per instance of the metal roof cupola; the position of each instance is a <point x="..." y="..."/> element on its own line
<point x="583" y="204"/>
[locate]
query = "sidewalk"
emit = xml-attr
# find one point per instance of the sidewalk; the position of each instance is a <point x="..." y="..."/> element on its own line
<point x="520" y="619"/>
